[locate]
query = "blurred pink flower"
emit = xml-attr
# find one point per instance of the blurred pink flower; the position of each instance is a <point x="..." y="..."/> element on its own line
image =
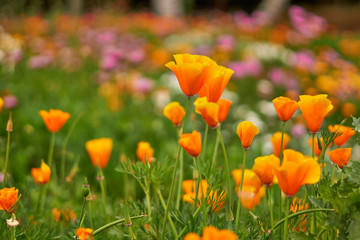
<point x="10" y="101"/>
<point x="40" y="61"/>
<point x="246" y="68"/>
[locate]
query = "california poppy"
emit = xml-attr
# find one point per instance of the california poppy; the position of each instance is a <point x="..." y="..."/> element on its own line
<point x="8" y="198"/>
<point x="41" y="175"/>
<point x="54" y="119"/>
<point x="145" y="152"/>
<point x="174" y="112"/>
<point x="216" y="78"/>
<point x="346" y="134"/>
<point x="84" y="233"/>
<point x="295" y="171"/>
<point x="224" y="106"/>
<point x="252" y="191"/>
<point x="189" y="71"/>
<point x="209" y="112"/>
<point x="285" y="107"/>
<point x="264" y="167"/>
<point x="246" y="131"/>
<point x="314" y="109"/>
<point x="298" y="205"/>
<point x="212" y="233"/>
<point x="276" y="142"/>
<point x="191" y="142"/>
<point x="99" y="151"/>
<point x="340" y="156"/>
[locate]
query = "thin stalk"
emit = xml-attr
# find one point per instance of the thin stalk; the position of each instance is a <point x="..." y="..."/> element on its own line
<point x="203" y="152"/>
<point x="313" y="219"/>
<point x="213" y="164"/>
<point x="147" y="195"/>
<point x="286" y="218"/>
<point x="101" y="179"/>
<point x="51" y="150"/>
<point x="281" y="160"/>
<point x="229" y="214"/>
<point x="199" y="184"/>
<point x="181" y="167"/>
<point x="63" y="148"/>
<point x="40" y="199"/>
<point x="238" y="209"/>
<point x="268" y="190"/>
<point x="174" y="175"/>
<point x="90" y="205"/>
<point x="13" y="228"/>
<point x="100" y="229"/>
<point x="6" y="159"/>
<point x="82" y="216"/>
<point x="173" y="228"/>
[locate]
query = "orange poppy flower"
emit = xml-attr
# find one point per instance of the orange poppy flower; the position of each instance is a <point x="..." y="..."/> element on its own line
<point x="99" y="151"/>
<point x="346" y="134"/>
<point x="189" y="187"/>
<point x="41" y="175"/>
<point x="340" y="156"/>
<point x="316" y="145"/>
<point x="276" y="142"/>
<point x="8" y="199"/>
<point x="209" y="112"/>
<point x="84" y="233"/>
<point x="246" y="131"/>
<point x="224" y="107"/>
<point x="199" y="101"/>
<point x="216" y="78"/>
<point x="314" y="109"/>
<point x="145" y="151"/>
<point x="285" y="107"/>
<point x="54" y="119"/>
<point x="296" y="170"/>
<point x="212" y="233"/>
<point x="174" y="112"/>
<point x="1" y="103"/>
<point x="189" y="71"/>
<point x="252" y="191"/>
<point x="264" y="167"/>
<point x="191" y="142"/>
<point x="296" y="206"/>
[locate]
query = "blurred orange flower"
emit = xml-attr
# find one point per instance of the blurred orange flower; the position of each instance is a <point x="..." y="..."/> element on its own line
<point x="174" y="112"/>
<point x="1" y="103"/>
<point x="212" y="233"/>
<point x="99" y="151"/>
<point x="264" y="167"/>
<point x="8" y="198"/>
<point x="252" y="190"/>
<point x="216" y="78"/>
<point x="296" y="170"/>
<point x="189" y="71"/>
<point x="346" y="134"/>
<point x="145" y="152"/>
<point x="316" y="145"/>
<point x="191" y="142"/>
<point x="85" y="233"/>
<point x="296" y="206"/>
<point x="285" y="107"/>
<point x="64" y="215"/>
<point x="54" y="119"/>
<point x="41" y="175"/>
<point x="224" y="107"/>
<point x="340" y="156"/>
<point x="246" y="131"/>
<point x="276" y="142"/>
<point x="314" y="109"/>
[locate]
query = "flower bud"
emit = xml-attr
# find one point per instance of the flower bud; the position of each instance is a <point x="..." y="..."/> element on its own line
<point x="9" y="126"/>
<point x="85" y="190"/>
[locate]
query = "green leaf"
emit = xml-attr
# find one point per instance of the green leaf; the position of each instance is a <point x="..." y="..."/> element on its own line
<point x="356" y="124"/>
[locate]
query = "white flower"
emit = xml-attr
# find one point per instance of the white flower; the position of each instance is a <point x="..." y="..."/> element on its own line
<point x="12" y="222"/>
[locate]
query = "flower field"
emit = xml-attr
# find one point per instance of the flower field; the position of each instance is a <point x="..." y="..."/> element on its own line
<point x="215" y="126"/>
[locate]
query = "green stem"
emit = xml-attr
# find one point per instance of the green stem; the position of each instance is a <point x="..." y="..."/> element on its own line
<point x="100" y="229"/>
<point x="51" y="150"/>
<point x="203" y="152"/>
<point x="238" y="209"/>
<point x="6" y="159"/>
<point x="147" y="194"/>
<point x="173" y="228"/>
<point x="101" y="179"/>
<point x="174" y="175"/>
<point x="13" y="228"/>
<point x="271" y="209"/>
<point x="282" y="142"/>
<point x="82" y="213"/>
<point x="213" y="164"/>
<point x="63" y="149"/>
<point x="313" y="219"/>
<point x="198" y="185"/>
<point x="90" y="205"/>
<point x="286" y="218"/>
<point x="229" y="214"/>
<point x="39" y="200"/>
<point x="178" y="195"/>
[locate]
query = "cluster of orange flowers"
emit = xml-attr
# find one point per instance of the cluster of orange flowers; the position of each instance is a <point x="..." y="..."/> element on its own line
<point x="65" y="216"/>
<point x="212" y="233"/>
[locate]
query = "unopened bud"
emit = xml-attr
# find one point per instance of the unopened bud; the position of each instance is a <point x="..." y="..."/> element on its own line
<point x="9" y="126"/>
<point x="85" y="190"/>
